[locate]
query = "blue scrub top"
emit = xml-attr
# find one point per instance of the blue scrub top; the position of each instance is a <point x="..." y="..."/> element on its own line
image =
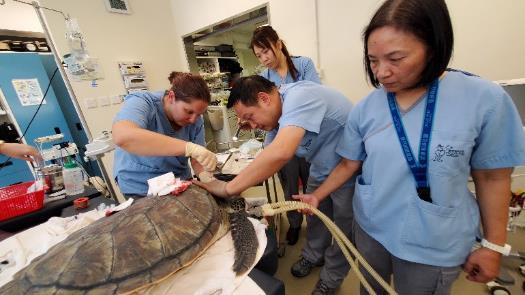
<point x="322" y="112"/>
<point x="131" y="171"/>
<point x="476" y="126"/>
<point x="305" y="68"/>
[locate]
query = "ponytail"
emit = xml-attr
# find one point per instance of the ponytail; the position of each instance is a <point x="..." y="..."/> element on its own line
<point x="291" y="67"/>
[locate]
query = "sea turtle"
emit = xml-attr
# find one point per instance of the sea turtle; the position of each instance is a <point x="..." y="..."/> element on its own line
<point x="139" y="246"/>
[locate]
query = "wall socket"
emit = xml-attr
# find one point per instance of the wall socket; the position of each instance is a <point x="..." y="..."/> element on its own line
<point x="103" y="101"/>
<point x="91" y="103"/>
<point x="116" y="99"/>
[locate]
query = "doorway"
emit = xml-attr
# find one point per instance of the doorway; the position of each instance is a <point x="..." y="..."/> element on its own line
<point x="221" y="53"/>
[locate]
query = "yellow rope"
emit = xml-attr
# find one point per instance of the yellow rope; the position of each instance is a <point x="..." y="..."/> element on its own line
<point x="341" y="239"/>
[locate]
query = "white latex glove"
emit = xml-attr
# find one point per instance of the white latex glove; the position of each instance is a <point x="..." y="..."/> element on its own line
<point x="207" y="159"/>
<point x="206" y="177"/>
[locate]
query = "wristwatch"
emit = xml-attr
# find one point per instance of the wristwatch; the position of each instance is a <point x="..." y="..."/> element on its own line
<point x="505" y="249"/>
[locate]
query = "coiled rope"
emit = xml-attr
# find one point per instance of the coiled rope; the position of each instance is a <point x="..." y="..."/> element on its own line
<point x="341" y="239"/>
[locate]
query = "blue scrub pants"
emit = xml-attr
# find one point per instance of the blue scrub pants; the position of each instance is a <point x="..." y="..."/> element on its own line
<point x="319" y="246"/>
<point x="409" y="277"/>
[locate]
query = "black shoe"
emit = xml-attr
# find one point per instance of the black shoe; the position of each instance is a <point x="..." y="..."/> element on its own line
<point x="321" y="288"/>
<point x="302" y="268"/>
<point x="292" y="235"/>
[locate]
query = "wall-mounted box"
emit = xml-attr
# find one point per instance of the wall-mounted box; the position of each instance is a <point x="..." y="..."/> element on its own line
<point x="133" y="75"/>
<point x="131" y="68"/>
<point x="135" y="81"/>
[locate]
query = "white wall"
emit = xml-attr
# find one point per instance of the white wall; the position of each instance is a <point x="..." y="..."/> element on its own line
<point x="489" y="34"/>
<point x="146" y="35"/>
<point x="19" y="17"/>
<point x="489" y="37"/>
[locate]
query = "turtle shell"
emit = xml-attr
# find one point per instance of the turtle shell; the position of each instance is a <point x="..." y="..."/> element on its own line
<point x="127" y="251"/>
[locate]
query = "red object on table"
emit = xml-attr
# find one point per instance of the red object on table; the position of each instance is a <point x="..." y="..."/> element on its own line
<point x="15" y="200"/>
<point x="81" y="203"/>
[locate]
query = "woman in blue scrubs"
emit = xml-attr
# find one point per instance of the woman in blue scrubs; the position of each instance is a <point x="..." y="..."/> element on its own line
<point x="156" y="132"/>
<point x="281" y="68"/>
<point x="417" y="138"/>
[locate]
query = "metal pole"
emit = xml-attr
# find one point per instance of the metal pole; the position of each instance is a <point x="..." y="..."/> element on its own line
<point x="317" y="41"/>
<point x="61" y="69"/>
<point x="69" y="88"/>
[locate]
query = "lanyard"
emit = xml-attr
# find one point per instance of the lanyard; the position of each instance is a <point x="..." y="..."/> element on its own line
<point x="419" y="170"/>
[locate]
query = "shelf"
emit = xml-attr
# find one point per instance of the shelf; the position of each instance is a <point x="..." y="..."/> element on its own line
<point x="218" y="57"/>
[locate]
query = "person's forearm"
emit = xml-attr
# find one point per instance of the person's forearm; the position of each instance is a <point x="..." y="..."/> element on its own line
<point x="341" y="173"/>
<point x="493" y="194"/>
<point x="20" y="151"/>
<point x="147" y="143"/>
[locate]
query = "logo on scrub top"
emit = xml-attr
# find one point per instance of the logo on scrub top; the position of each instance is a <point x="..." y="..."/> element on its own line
<point x="446" y="151"/>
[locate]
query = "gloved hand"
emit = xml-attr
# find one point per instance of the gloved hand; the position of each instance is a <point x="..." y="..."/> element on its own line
<point x="206" y="177"/>
<point x="207" y="159"/>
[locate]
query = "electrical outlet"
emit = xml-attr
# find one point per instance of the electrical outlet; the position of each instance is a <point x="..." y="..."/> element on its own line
<point x="116" y="99"/>
<point x="91" y="103"/>
<point x="103" y="101"/>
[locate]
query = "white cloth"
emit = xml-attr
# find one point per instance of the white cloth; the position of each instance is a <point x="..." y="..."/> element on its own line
<point x="164" y="184"/>
<point x="209" y="274"/>
<point x="161" y="185"/>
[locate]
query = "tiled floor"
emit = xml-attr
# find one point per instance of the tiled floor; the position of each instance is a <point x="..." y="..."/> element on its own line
<point x="351" y="286"/>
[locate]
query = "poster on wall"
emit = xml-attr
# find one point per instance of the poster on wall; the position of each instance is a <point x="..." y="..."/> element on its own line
<point x="28" y="91"/>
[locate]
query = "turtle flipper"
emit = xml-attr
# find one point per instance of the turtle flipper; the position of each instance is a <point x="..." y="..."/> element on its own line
<point x="245" y="242"/>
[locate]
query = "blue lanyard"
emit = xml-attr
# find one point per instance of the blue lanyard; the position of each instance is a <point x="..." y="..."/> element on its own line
<point x="419" y="171"/>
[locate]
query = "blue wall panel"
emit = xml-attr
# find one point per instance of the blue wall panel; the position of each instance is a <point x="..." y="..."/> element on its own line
<point x="49" y="117"/>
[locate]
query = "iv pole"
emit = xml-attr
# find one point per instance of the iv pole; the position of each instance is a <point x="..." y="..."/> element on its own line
<point x="69" y="88"/>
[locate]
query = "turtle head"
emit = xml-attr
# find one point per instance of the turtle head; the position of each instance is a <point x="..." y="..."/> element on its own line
<point x="237" y="204"/>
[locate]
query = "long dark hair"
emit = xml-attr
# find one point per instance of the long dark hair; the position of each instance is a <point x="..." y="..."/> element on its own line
<point x="429" y="21"/>
<point x="265" y="37"/>
<point x="188" y="86"/>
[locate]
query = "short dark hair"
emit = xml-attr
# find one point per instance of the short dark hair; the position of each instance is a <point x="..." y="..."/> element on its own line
<point x="428" y="20"/>
<point x="245" y="90"/>
<point x="188" y="86"/>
